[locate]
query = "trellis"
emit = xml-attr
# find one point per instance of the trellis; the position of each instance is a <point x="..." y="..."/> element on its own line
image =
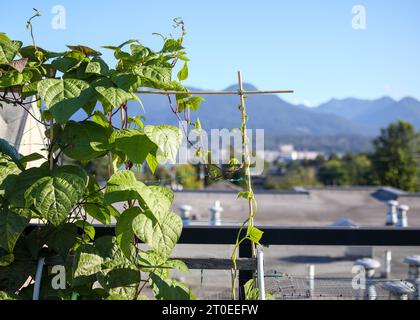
<point x="246" y="158"/>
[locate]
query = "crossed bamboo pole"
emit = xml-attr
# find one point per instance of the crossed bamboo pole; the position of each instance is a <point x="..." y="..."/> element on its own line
<point x="239" y="92"/>
<point x="242" y="93"/>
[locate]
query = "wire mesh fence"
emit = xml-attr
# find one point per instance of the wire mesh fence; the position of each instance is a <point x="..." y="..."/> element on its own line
<point x="288" y="287"/>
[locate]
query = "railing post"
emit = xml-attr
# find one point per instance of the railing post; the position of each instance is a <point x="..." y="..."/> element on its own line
<point x="245" y="251"/>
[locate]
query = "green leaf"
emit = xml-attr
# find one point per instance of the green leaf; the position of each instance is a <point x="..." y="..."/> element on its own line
<point x="169" y="289"/>
<point x="172" y="45"/>
<point x="7" y="259"/>
<point x="87" y="228"/>
<point x="152" y="161"/>
<point x="113" y="96"/>
<point x="54" y="195"/>
<point x="135" y="144"/>
<point x="63" y="238"/>
<point x="8" y="50"/>
<point x="251" y="292"/>
<point x="176" y="264"/>
<point x="127" y="81"/>
<point x="69" y="62"/>
<point x="33" y="53"/>
<point x="15" y="78"/>
<point x="30" y="89"/>
<point x="254" y="234"/>
<point x="98" y="212"/>
<point x="121" y="282"/>
<point x="93" y="67"/>
<point x="85" y="50"/>
<point x="87" y="263"/>
<point x="192" y="103"/>
<point x="161" y="199"/>
<point x="16" y="185"/>
<point x="123" y="186"/>
<point x="245" y="194"/>
<point x="4" y="37"/>
<point x="31" y="157"/>
<point x="198" y="124"/>
<point x="95" y="207"/>
<point x="154" y="77"/>
<point x="152" y="259"/>
<point x="99" y="118"/>
<point x="109" y="250"/>
<point x="97" y="66"/>
<point x="64" y="97"/>
<point x="183" y="73"/>
<point x="167" y="138"/>
<point x="13" y="276"/>
<point x="85" y="140"/>
<point x="12" y="224"/>
<point x="161" y="231"/>
<point x="124" y="230"/>
<point x="7" y="296"/>
<point x="121" y="45"/>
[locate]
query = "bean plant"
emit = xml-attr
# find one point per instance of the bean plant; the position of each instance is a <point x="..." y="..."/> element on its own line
<point x="63" y="196"/>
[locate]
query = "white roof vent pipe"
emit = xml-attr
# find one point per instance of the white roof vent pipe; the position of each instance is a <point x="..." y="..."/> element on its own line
<point x="370" y="265"/>
<point x="387" y="264"/>
<point x="310" y="268"/>
<point x="215" y="214"/>
<point x="402" y="216"/>
<point x="186" y="214"/>
<point x="391" y="215"/>
<point x="413" y="267"/>
<point x="414" y="272"/>
<point x="399" y="289"/>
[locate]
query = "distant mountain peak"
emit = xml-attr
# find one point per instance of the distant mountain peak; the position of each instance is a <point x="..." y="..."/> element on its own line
<point x="408" y="100"/>
<point x="343" y="101"/>
<point x="386" y="99"/>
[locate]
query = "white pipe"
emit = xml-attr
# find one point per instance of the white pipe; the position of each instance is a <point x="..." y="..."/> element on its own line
<point x="311" y="277"/>
<point x="38" y="276"/>
<point x="402" y="216"/>
<point x="392" y="215"/>
<point x="260" y="269"/>
<point x="387" y="263"/>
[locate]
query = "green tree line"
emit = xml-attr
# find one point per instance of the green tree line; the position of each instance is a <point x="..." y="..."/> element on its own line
<point x="393" y="162"/>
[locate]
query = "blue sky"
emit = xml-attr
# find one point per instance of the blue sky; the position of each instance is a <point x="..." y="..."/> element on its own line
<point x="305" y="45"/>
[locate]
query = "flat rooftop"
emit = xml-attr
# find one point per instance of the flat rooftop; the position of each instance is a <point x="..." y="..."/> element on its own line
<point x="316" y="207"/>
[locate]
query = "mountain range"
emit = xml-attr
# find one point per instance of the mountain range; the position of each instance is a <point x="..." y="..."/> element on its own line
<point x="278" y="117"/>
<point x="286" y="122"/>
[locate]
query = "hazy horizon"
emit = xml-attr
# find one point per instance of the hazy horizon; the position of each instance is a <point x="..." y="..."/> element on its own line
<point x="311" y="47"/>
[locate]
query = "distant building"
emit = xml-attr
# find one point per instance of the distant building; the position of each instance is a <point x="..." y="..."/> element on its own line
<point x="269" y="155"/>
<point x="288" y="153"/>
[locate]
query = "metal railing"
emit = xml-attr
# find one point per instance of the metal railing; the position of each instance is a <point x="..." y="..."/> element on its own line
<point x="308" y="236"/>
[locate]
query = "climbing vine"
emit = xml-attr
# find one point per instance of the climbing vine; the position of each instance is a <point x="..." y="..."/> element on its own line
<point x="63" y="196"/>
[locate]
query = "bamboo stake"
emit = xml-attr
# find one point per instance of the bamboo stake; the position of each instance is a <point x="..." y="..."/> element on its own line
<point x="214" y="92"/>
<point x="246" y="156"/>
